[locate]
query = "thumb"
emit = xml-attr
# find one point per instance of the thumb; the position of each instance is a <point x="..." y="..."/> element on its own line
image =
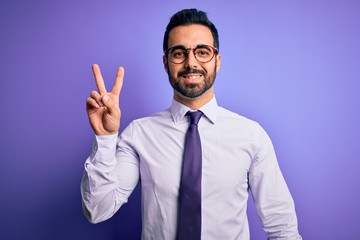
<point x="109" y="103"/>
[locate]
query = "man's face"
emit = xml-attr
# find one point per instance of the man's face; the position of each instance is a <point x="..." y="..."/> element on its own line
<point x="191" y="79"/>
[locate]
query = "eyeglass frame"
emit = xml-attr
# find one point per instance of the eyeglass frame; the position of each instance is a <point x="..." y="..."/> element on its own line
<point x="166" y="52"/>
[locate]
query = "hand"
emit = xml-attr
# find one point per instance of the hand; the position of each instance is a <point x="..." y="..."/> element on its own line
<point x="103" y="107"/>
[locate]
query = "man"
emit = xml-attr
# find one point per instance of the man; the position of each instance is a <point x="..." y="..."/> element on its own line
<point x="236" y="155"/>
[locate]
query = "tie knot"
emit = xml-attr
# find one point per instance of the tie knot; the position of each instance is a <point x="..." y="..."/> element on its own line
<point x="194" y="116"/>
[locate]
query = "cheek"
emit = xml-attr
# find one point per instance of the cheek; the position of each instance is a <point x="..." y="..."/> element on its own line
<point x="173" y="70"/>
<point x="210" y="69"/>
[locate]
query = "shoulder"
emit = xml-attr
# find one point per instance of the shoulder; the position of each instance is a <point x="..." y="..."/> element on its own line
<point x="148" y="124"/>
<point x="235" y="124"/>
<point x="154" y="120"/>
<point x="238" y="124"/>
<point x="232" y="118"/>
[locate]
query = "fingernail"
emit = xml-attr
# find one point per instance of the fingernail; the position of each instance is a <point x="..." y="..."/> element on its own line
<point x="105" y="98"/>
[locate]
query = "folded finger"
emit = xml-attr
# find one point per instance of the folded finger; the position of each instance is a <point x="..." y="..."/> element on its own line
<point x="97" y="97"/>
<point x="91" y="103"/>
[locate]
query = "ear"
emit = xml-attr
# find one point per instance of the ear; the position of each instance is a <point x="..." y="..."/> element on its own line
<point x="166" y="64"/>
<point x="218" y="62"/>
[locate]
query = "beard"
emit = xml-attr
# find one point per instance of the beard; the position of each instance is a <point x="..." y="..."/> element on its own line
<point x="192" y="90"/>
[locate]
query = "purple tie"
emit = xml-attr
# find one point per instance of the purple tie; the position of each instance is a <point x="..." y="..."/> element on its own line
<point x="190" y="185"/>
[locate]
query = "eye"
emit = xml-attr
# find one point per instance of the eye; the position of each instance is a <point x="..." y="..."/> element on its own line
<point x="203" y="52"/>
<point x="178" y="53"/>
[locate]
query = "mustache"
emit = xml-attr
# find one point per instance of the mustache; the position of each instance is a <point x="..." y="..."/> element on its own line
<point x="190" y="71"/>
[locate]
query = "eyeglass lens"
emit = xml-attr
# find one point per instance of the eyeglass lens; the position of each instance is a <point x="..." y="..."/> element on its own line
<point x="202" y="54"/>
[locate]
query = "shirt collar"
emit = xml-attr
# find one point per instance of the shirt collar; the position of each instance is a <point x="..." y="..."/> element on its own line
<point x="178" y="110"/>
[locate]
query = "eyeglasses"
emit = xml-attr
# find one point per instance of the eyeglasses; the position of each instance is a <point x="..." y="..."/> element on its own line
<point x="202" y="53"/>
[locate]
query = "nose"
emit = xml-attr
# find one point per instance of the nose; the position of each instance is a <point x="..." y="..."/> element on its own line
<point x="191" y="61"/>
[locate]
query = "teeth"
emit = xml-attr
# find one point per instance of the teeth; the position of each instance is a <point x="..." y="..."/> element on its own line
<point x="193" y="77"/>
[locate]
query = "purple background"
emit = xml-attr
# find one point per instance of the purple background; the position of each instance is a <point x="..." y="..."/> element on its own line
<point x="293" y="66"/>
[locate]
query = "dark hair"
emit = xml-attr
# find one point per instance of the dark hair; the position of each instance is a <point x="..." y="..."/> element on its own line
<point x="188" y="17"/>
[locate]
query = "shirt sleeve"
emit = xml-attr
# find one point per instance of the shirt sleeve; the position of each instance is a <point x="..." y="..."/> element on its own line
<point x="273" y="201"/>
<point x="110" y="176"/>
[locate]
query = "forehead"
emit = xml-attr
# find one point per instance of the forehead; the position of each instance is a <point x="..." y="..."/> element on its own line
<point x="190" y="36"/>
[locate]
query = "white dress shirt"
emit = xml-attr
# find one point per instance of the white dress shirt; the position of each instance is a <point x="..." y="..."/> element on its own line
<point x="238" y="157"/>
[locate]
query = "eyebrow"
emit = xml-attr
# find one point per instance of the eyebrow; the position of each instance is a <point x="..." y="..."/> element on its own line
<point x="183" y="47"/>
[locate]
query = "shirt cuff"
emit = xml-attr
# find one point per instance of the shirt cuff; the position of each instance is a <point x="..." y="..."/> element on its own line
<point x="104" y="148"/>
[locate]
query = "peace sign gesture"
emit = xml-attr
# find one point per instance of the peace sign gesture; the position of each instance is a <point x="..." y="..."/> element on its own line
<point x="103" y="107"/>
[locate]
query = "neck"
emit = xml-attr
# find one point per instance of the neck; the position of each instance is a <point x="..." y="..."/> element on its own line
<point x="195" y="103"/>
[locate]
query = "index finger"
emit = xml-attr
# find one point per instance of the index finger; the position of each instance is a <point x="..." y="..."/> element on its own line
<point x="99" y="79"/>
<point x="118" y="81"/>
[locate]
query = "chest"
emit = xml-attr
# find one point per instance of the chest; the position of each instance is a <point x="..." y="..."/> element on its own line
<point x="226" y="160"/>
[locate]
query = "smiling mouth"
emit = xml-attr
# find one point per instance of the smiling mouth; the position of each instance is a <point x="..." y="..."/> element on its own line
<point x="192" y="76"/>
